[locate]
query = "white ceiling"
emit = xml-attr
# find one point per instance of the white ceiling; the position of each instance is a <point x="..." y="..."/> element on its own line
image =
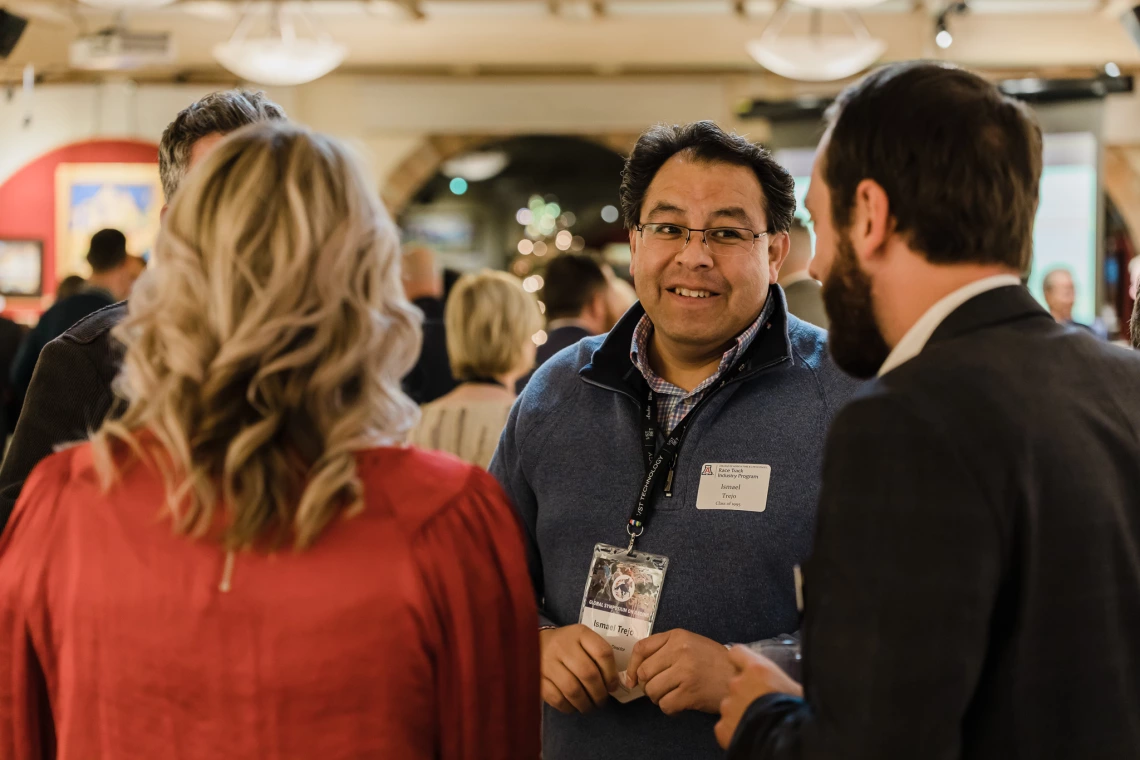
<point x="611" y="36"/>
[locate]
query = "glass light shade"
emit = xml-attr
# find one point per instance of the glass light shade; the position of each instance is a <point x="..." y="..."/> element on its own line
<point x="126" y="4"/>
<point x="476" y="167"/>
<point x="839" y="5"/>
<point x="816" y="59"/>
<point x="280" y="62"/>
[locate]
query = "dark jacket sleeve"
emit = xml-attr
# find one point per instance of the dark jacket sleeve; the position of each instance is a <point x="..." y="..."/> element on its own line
<point x="898" y="596"/>
<point x="69" y="395"/>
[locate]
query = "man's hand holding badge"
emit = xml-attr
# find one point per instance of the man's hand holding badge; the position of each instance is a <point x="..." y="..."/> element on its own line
<point x="578" y="669"/>
<point x="681" y="671"/>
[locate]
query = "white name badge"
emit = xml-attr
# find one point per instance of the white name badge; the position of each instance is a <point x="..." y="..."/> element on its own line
<point x="743" y="487"/>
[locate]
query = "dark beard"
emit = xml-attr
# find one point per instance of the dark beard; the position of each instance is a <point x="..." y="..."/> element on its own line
<point x="856" y="344"/>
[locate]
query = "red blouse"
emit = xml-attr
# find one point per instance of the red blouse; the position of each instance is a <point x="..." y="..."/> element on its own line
<point x="406" y="631"/>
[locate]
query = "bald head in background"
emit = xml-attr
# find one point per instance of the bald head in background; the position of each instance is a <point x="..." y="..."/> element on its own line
<point x="805" y="299"/>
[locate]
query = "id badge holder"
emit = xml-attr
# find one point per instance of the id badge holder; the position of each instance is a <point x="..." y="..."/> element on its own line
<point x="623" y="590"/>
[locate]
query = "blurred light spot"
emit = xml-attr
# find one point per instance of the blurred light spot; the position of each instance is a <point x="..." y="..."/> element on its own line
<point x="578" y="243"/>
<point x="1111" y="69"/>
<point x="609" y="214"/>
<point x="524" y="216"/>
<point x="539" y="337"/>
<point x="540" y="248"/>
<point x="535" y="204"/>
<point x="526" y="247"/>
<point x="568" y="219"/>
<point x="553" y="210"/>
<point x="458" y="186"/>
<point x="564" y="240"/>
<point x="530" y="284"/>
<point x="541" y="307"/>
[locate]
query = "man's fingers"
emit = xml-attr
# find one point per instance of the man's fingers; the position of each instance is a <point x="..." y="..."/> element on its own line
<point x="599" y="650"/>
<point x="724" y="732"/>
<point x="582" y="665"/>
<point x="644" y="649"/>
<point x="571" y="688"/>
<point x="741" y="656"/>
<point x="554" y="697"/>
<point x="660" y="686"/>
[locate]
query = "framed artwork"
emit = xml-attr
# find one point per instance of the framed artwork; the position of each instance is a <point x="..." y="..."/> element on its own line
<point x="21" y="268"/>
<point x="92" y="197"/>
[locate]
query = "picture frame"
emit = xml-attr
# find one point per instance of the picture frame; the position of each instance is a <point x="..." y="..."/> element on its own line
<point x="96" y="196"/>
<point x="21" y="268"/>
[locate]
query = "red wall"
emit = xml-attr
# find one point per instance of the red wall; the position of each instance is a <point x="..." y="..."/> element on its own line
<point x="27" y="198"/>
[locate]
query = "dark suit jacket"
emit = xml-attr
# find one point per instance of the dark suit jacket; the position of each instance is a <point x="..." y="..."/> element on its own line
<point x="54" y="322"/>
<point x="431" y="377"/>
<point x="563" y="337"/>
<point x="975" y="587"/>
<point x="70" y="395"/>
<point x="805" y="300"/>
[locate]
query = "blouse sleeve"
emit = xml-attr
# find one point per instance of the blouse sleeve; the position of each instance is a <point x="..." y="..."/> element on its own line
<point x="472" y="559"/>
<point x="26" y="728"/>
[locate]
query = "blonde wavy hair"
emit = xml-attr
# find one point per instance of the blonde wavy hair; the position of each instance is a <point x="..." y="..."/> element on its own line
<point x="489" y="319"/>
<point x="266" y="344"/>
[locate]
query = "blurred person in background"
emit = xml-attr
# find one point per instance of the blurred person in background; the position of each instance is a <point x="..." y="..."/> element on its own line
<point x="113" y="273"/>
<point x="1061" y="296"/>
<point x="12" y="334"/>
<point x="490" y="324"/>
<point x="69" y="286"/>
<point x="247" y="563"/>
<point x="576" y="293"/>
<point x="974" y="589"/>
<point x="804" y="295"/>
<point x="431" y="377"/>
<point x="637" y="436"/>
<point x="620" y="297"/>
<point x="70" y="391"/>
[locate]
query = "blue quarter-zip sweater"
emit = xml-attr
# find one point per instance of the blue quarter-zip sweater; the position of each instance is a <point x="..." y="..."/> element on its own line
<point x="572" y="461"/>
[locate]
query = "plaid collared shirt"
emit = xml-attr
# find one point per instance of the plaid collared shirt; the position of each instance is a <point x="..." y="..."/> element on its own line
<point x="674" y="403"/>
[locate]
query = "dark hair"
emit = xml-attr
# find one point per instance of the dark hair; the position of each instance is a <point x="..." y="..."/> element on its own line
<point x="959" y="161"/>
<point x="1136" y="323"/>
<point x="708" y="143"/>
<point x="572" y="281"/>
<point x="108" y="251"/>
<point x="69" y="286"/>
<point x="217" y="113"/>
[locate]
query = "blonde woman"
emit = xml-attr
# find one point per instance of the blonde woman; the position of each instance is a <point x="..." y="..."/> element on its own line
<point x="490" y="323"/>
<point x="243" y="565"/>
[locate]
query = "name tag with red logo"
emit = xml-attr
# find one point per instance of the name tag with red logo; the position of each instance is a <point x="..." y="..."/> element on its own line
<point x="742" y="487"/>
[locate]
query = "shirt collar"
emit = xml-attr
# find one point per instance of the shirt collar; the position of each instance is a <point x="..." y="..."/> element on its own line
<point x="639" y="353"/>
<point x="791" y="279"/>
<point x="916" y="337"/>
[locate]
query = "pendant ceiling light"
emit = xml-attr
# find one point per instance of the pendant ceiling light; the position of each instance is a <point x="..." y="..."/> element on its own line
<point x="281" y="58"/>
<point x="816" y="57"/>
<point x="126" y="5"/>
<point x="840" y="5"/>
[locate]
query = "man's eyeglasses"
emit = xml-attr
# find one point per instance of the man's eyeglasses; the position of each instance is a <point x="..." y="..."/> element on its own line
<point x="672" y="238"/>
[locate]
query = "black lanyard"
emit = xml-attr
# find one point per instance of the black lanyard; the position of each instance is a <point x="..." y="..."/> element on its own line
<point x="655" y="458"/>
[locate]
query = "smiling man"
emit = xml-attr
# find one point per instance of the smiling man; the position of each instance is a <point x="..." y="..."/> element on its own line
<point x="691" y="433"/>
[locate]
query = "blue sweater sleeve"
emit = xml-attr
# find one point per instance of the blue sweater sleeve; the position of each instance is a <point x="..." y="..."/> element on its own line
<point x="507" y="467"/>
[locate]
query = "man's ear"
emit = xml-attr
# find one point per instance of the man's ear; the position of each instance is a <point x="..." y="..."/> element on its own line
<point x="780" y="244"/>
<point x="871" y="221"/>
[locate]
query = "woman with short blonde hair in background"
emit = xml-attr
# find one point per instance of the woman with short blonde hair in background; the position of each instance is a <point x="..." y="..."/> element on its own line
<point x="246" y="564"/>
<point x="491" y="323"/>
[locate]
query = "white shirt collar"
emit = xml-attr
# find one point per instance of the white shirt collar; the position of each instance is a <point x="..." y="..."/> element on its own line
<point x="791" y="279"/>
<point x="916" y="337"/>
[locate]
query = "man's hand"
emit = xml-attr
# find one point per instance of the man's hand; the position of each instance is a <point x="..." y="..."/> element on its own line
<point x="681" y="671"/>
<point x="756" y="676"/>
<point x="578" y="668"/>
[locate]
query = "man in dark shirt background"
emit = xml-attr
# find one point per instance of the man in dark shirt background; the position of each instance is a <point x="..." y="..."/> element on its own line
<point x="113" y="272"/>
<point x="575" y="293"/>
<point x="424" y="286"/>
